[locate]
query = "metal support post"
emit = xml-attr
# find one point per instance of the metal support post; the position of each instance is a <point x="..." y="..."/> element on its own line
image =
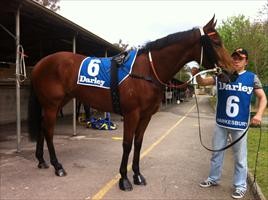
<point x="74" y="100"/>
<point x="17" y="82"/>
<point x="106" y="55"/>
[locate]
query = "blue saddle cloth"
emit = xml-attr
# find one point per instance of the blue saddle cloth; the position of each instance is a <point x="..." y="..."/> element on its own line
<point x="96" y="71"/>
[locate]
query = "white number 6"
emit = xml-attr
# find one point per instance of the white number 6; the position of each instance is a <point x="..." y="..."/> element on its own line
<point x="93" y="67"/>
<point x="232" y="107"/>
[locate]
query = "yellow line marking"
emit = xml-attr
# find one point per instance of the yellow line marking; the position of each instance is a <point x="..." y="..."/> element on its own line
<point x="117" y="138"/>
<point x="113" y="181"/>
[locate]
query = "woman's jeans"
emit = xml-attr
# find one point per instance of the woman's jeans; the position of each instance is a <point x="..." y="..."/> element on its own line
<point x="240" y="156"/>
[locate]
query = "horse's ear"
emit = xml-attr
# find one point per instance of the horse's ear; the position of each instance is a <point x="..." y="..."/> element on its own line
<point x="210" y="23"/>
<point x="210" y="26"/>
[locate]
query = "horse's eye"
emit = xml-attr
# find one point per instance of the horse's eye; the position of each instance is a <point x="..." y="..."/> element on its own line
<point x="216" y="40"/>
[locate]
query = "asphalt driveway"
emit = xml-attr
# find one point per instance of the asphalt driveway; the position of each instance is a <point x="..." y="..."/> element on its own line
<point x="172" y="161"/>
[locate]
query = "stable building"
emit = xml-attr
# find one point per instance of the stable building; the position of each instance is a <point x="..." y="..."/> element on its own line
<point x="29" y="32"/>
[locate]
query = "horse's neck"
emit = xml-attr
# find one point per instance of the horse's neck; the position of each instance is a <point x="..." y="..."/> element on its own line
<point x="169" y="60"/>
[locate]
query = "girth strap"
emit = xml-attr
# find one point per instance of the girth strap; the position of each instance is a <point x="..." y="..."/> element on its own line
<point x="147" y="78"/>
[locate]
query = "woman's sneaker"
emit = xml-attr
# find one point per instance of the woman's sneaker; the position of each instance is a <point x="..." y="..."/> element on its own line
<point x="207" y="183"/>
<point x="238" y="194"/>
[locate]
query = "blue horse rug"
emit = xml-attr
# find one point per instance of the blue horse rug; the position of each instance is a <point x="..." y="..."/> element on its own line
<point x="96" y="71"/>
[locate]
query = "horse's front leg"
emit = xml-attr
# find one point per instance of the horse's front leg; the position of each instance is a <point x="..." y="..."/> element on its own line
<point x="142" y="125"/>
<point x="130" y="124"/>
<point x="48" y="126"/>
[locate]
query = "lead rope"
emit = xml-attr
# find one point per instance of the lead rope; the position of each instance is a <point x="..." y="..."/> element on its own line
<point x="199" y="127"/>
<point x="216" y="70"/>
<point x="200" y="134"/>
<point x="21" y="70"/>
<point x="254" y="186"/>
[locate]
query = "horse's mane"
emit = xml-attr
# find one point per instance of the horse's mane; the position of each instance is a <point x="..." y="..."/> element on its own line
<point x="164" y="42"/>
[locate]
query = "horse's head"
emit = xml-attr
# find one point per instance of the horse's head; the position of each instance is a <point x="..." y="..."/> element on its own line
<point x="214" y="54"/>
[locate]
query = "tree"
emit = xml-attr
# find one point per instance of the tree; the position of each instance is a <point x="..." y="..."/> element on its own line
<point x="238" y="31"/>
<point x="234" y="32"/>
<point x="263" y="12"/>
<point x="51" y="4"/>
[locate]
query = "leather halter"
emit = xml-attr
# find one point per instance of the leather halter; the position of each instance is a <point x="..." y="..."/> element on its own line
<point x="183" y="85"/>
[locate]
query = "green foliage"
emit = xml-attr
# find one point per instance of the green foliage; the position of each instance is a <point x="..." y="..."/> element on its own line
<point x="233" y="30"/>
<point x="262" y="165"/>
<point x="238" y="31"/>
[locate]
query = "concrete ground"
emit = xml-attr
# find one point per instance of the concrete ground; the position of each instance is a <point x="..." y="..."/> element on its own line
<point x="172" y="160"/>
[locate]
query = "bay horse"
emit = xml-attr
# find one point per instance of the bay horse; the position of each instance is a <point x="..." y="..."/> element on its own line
<point x="54" y="83"/>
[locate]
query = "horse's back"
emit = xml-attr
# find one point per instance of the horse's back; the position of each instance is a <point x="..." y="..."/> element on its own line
<point x="57" y="65"/>
<point x="57" y="60"/>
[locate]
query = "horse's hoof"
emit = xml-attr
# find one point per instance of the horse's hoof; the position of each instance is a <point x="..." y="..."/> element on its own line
<point x="60" y="172"/>
<point x="125" y="185"/>
<point x="139" y="179"/>
<point x="43" y="165"/>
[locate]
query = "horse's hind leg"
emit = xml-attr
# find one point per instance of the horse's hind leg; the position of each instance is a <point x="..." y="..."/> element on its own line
<point x="40" y="151"/>
<point x="137" y="177"/>
<point x="49" y="121"/>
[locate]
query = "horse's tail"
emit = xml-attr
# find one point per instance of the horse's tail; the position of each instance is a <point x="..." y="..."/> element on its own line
<point x="34" y="116"/>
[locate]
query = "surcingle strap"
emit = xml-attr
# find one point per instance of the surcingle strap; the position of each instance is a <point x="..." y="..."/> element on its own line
<point x="116" y="62"/>
<point x="114" y="87"/>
